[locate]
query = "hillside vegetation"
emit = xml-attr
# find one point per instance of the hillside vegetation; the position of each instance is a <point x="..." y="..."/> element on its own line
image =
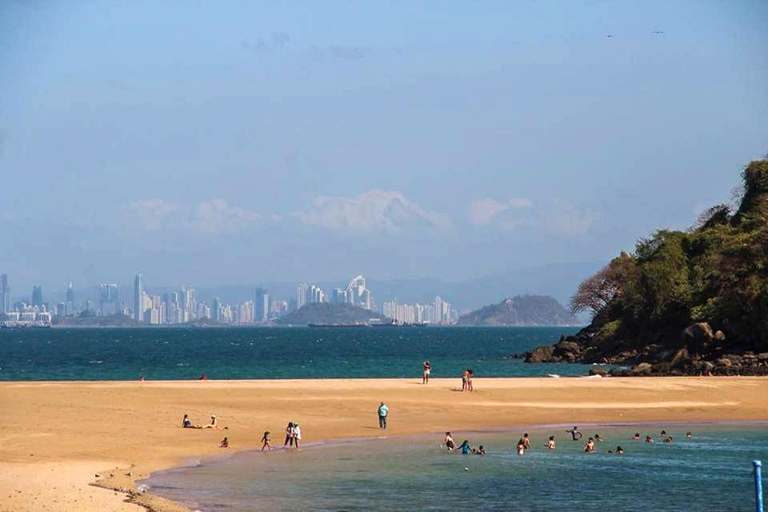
<point x="521" y="310"/>
<point x="691" y="301"/>
<point x="325" y="313"/>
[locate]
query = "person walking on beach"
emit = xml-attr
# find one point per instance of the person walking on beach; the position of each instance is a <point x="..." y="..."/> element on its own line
<point x="427" y="370"/>
<point x="288" y="435"/>
<point x="383" y="412"/>
<point x="265" y="441"/>
<point x="575" y="434"/>
<point x="470" y="376"/>
<point x="464" y="378"/>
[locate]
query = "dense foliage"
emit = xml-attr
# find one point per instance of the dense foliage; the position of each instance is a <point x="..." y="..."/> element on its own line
<point x="325" y="313"/>
<point x="717" y="272"/>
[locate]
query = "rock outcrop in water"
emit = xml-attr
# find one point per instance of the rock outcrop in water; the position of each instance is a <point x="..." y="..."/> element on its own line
<point x="693" y="302"/>
<point x="521" y="310"/>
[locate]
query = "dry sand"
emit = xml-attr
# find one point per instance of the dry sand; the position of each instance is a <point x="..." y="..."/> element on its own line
<point x="56" y="437"/>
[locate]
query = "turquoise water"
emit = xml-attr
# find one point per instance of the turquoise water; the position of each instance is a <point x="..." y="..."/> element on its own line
<point x="712" y="471"/>
<point x="272" y="353"/>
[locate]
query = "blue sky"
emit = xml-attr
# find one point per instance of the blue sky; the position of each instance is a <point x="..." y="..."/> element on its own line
<point x="241" y="142"/>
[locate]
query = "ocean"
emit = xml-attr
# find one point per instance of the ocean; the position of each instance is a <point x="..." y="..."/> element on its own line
<point x="273" y="353"/>
<point x="710" y="472"/>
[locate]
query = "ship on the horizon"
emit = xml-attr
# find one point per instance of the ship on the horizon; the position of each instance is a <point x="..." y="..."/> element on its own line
<point x="24" y="325"/>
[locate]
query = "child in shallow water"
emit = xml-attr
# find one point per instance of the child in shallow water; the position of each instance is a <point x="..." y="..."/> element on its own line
<point x="551" y="443"/>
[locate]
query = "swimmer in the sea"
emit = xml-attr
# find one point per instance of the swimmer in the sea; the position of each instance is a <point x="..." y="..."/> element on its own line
<point x="551" y="443"/>
<point x="590" y="446"/>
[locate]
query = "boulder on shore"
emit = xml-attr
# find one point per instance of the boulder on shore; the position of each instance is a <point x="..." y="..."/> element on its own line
<point x="540" y="355"/>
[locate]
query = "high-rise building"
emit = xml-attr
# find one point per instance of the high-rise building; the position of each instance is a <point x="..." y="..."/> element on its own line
<point x="138" y="298"/>
<point x="5" y="295"/>
<point x="37" y="296"/>
<point x="216" y="310"/>
<point x="109" y="304"/>
<point x="358" y="294"/>
<point x="301" y="295"/>
<point x="69" y="304"/>
<point x="261" y="306"/>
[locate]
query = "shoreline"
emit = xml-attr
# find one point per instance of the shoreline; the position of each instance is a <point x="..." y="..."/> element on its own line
<point x="74" y="430"/>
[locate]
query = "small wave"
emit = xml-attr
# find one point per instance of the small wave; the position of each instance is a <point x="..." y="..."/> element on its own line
<point x="94" y="361"/>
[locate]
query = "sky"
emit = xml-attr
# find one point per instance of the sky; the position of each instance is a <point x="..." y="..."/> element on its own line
<point x="224" y="143"/>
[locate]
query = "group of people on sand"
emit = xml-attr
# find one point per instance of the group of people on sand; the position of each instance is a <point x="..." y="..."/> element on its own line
<point x="292" y="436"/>
<point x="464" y="448"/>
<point x="187" y="423"/>
<point x="466" y="380"/>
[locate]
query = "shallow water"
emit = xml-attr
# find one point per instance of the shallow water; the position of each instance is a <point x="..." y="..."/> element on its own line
<point x="712" y="471"/>
<point x="272" y="353"/>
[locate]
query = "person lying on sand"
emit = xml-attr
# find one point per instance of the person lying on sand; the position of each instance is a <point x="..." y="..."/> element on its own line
<point x="213" y="424"/>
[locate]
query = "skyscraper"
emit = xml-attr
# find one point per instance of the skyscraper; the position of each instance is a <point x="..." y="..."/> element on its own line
<point x="37" y="296"/>
<point x="301" y="295"/>
<point x="138" y="299"/>
<point x="261" y="306"/>
<point x="108" y="300"/>
<point x="5" y="295"/>
<point x="69" y="304"/>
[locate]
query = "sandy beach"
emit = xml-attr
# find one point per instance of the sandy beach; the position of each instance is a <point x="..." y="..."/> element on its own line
<point x="58" y="436"/>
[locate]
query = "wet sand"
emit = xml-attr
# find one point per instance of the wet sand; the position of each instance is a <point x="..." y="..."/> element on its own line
<point x="57" y="436"/>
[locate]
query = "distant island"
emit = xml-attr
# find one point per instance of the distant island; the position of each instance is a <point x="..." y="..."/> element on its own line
<point x="684" y="302"/>
<point x="324" y="313"/>
<point x="521" y="310"/>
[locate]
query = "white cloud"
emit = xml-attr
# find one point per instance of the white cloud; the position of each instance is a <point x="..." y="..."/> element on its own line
<point x="208" y="217"/>
<point x="557" y="218"/>
<point x="567" y="219"/>
<point x="216" y="217"/>
<point x="149" y="214"/>
<point x="373" y="211"/>
<point x="483" y="211"/>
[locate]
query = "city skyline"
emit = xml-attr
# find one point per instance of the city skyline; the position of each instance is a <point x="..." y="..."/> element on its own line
<point x="404" y="143"/>
<point x="183" y="306"/>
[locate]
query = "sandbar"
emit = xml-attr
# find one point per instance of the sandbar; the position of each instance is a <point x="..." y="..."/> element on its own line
<point x="55" y="437"/>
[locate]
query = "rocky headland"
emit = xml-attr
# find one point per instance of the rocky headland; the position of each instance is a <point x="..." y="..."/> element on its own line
<point x="689" y="302"/>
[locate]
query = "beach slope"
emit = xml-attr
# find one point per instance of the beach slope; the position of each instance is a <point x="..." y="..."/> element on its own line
<point x="57" y="436"/>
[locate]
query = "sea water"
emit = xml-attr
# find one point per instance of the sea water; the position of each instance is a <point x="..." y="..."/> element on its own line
<point x="273" y="353"/>
<point x="711" y="471"/>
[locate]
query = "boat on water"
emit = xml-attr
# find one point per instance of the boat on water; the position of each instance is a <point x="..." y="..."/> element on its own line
<point x="372" y="324"/>
<point x="25" y="325"/>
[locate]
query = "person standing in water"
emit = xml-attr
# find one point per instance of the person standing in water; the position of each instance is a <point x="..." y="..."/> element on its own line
<point x="590" y="446"/>
<point x="288" y="435"/>
<point x="448" y="442"/>
<point x="551" y="443"/>
<point x="383" y="413"/>
<point x="575" y="434"/>
<point x="465" y="448"/>
<point x="427" y="370"/>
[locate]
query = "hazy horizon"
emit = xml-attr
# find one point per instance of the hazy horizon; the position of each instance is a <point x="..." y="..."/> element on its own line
<point x="252" y="143"/>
